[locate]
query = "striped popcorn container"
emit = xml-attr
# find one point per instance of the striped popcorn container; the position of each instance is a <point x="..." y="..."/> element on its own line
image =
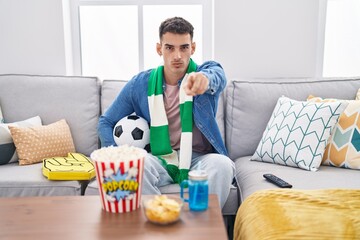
<point x="119" y="173"/>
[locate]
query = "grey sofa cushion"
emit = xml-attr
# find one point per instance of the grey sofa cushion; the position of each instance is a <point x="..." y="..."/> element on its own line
<point x="52" y="98"/>
<point x="109" y="90"/>
<point x="249" y="175"/>
<point x="92" y="188"/>
<point x="20" y="181"/>
<point x="250" y="104"/>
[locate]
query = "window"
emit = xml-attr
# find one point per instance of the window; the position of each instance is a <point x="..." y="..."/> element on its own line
<point x="109" y="41"/>
<point x="117" y="39"/>
<point x="342" y="37"/>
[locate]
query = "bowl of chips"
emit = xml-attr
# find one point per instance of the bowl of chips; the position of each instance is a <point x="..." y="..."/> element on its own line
<point x="162" y="209"/>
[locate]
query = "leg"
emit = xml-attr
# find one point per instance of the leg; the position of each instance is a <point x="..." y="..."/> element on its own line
<point x="155" y="175"/>
<point x="221" y="171"/>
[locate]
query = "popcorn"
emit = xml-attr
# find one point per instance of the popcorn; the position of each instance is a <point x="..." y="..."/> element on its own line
<point x="162" y="209"/>
<point x="119" y="172"/>
<point x="118" y="153"/>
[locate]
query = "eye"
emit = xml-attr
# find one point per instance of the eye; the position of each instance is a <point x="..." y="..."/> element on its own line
<point x="185" y="47"/>
<point x="168" y="47"/>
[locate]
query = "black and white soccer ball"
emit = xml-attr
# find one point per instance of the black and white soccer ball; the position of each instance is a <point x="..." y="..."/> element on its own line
<point x="133" y="131"/>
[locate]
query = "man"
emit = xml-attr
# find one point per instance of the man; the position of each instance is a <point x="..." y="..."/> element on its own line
<point x="180" y="140"/>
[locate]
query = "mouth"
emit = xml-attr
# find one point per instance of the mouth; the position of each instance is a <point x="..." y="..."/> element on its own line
<point x="177" y="64"/>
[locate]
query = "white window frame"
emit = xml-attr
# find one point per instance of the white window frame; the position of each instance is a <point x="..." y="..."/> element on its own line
<point x="321" y="39"/>
<point x="72" y="32"/>
<point x="323" y="23"/>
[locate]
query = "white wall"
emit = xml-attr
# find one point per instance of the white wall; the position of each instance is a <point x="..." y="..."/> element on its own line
<point x="267" y="38"/>
<point x="253" y="38"/>
<point x="32" y="37"/>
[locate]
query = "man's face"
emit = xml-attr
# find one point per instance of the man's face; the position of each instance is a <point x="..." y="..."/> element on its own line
<point x="176" y="50"/>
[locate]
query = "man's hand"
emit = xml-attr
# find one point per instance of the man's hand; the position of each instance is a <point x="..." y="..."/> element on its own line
<point x="196" y="84"/>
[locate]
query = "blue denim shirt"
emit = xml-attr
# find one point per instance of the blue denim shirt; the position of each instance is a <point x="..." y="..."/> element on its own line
<point x="134" y="98"/>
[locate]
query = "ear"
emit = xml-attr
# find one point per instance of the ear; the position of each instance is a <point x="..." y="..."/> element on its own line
<point x="158" y="49"/>
<point x="193" y="47"/>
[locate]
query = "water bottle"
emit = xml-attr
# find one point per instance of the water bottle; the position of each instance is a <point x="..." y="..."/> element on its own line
<point x="198" y="190"/>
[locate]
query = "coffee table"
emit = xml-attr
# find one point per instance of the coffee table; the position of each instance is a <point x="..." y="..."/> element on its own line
<point x="81" y="217"/>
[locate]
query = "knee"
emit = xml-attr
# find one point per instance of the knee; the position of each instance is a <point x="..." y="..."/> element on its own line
<point x="223" y="164"/>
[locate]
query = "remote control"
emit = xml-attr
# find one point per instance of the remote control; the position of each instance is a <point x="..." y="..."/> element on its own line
<point x="277" y="181"/>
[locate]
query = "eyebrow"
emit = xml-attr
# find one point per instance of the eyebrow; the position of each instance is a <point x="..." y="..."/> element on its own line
<point x="183" y="45"/>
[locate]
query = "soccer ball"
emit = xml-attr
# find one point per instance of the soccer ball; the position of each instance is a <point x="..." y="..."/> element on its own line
<point x="133" y="131"/>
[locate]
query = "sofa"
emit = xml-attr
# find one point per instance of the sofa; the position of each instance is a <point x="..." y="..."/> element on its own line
<point x="244" y="110"/>
<point x="75" y="99"/>
<point x="78" y="100"/>
<point x="327" y="195"/>
<point x="249" y="105"/>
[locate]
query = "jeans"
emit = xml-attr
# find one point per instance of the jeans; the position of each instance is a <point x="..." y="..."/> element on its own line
<point x="220" y="169"/>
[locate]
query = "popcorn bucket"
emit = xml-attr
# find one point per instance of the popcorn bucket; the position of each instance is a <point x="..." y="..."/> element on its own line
<point x="119" y="172"/>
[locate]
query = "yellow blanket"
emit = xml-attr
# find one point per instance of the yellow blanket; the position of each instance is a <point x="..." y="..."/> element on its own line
<point x="299" y="214"/>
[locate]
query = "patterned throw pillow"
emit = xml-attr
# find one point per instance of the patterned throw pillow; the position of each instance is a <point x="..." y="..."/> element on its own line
<point x="33" y="144"/>
<point x="297" y="133"/>
<point x="343" y="148"/>
<point x="7" y="147"/>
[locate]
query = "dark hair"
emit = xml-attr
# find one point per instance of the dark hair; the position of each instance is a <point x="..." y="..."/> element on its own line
<point x="176" y="25"/>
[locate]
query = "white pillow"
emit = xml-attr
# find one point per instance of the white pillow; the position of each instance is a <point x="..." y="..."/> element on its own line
<point x="297" y="133"/>
<point x="7" y="146"/>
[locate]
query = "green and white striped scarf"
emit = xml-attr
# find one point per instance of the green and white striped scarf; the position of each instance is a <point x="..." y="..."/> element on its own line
<point x="176" y="166"/>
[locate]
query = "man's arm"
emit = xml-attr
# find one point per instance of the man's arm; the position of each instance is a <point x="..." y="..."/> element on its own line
<point x="121" y="107"/>
<point x="210" y="78"/>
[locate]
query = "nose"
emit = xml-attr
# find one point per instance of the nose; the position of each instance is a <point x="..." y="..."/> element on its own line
<point x="177" y="54"/>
